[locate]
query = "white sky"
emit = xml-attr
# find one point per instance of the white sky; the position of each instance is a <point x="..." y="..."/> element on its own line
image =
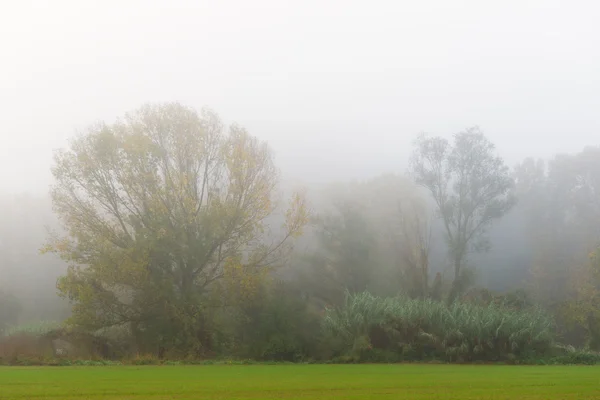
<point x="339" y="88"/>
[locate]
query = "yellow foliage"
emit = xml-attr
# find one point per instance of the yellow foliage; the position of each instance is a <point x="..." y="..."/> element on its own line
<point x="584" y="306"/>
<point x="297" y="215"/>
<point x="164" y="201"/>
<point x="242" y="282"/>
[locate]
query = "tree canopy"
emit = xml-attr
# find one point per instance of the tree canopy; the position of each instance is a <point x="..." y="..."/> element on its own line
<point x="158" y="206"/>
<point x="470" y="185"/>
<point x="174" y="229"/>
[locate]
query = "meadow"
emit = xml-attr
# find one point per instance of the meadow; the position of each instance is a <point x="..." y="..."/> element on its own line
<point x="302" y="382"/>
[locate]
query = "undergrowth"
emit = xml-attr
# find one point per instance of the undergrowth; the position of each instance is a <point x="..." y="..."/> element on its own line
<point x="367" y="329"/>
<point x="374" y="329"/>
<point x="566" y="357"/>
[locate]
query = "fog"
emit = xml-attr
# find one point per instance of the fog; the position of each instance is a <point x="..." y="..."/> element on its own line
<point x="339" y="90"/>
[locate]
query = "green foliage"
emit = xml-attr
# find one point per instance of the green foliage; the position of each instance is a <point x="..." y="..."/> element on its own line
<point x="342" y="260"/>
<point x="171" y="254"/>
<point x="576" y="357"/>
<point x="513" y="300"/>
<point x="426" y="329"/>
<point x="568" y="355"/>
<point x="279" y="327"/>
<point x="582" y="310"/>
<point x="157" y="208"/>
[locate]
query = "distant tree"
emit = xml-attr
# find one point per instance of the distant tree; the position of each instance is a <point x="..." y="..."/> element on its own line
<point x="342" y="261"/>
<point x="541" y="208"/>
<point x="562" y="206"/>
<point x="400" y="222"/>
<point x="565" y="278"/>
<point x="414" y="242"/>
<point x="378" y="233"/>
<point x="471" y="187"/>
<point x="23" y="229"/>
<point x="583" y="307"/>
<point x="159" y="206"/>
<point x="9" y="310"/>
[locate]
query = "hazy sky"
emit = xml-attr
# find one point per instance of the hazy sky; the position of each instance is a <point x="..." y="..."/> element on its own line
<point x="339" y="88"/>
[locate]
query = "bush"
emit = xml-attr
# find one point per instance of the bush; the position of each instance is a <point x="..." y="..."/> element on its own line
<point x="144" y="359"/>
<point x="370" y="328"/>
<point x="280" y="327"/>
<point x="568" y="355"/>
<point x="24" y="349"/>
<point x="34" y="329"/>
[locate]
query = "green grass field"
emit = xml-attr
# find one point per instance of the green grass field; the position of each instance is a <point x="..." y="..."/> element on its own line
<point x="301" y="382"/>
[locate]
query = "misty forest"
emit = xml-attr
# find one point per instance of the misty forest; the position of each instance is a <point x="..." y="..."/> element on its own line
<point x="170" y="235"/>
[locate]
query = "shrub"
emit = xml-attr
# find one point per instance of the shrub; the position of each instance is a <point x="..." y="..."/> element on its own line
<point x="144" y="359"/>
<point x="24" y="349"/>
<point x="280" y="327"/>
<point x="368" y="327"/>
<point x="568" y="355"/>
<point x="34" y="329"/>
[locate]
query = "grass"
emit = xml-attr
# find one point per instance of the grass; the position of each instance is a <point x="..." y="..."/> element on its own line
<point x="301" y="382"/>
<point x="417" y="329"/>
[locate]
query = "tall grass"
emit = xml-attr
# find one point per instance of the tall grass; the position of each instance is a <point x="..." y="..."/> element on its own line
<point x="33" y="329"/>
<point x="367" y="327"/>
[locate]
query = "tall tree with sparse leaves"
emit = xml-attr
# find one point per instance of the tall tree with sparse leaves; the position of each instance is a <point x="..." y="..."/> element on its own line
<point x="471" y="187"/>
<point x="158" y="206"/>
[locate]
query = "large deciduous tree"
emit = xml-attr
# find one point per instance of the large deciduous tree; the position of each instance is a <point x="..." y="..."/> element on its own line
<point x="158" y="206"/>
<point x="471" y="187"/>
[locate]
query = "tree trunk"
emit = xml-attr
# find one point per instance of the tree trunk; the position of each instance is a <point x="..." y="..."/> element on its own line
<point x="436" y="289"/>
<point x="454" y="292"/>
<point x="456" y="284"/>
<point x="424" y="274"/>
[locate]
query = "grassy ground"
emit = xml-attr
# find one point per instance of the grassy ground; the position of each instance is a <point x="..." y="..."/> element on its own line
<point x="301" y="382"/>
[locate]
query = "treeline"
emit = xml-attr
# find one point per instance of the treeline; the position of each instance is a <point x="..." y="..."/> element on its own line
<point x="27" y="280"/>
<point x="179" y="246"/>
